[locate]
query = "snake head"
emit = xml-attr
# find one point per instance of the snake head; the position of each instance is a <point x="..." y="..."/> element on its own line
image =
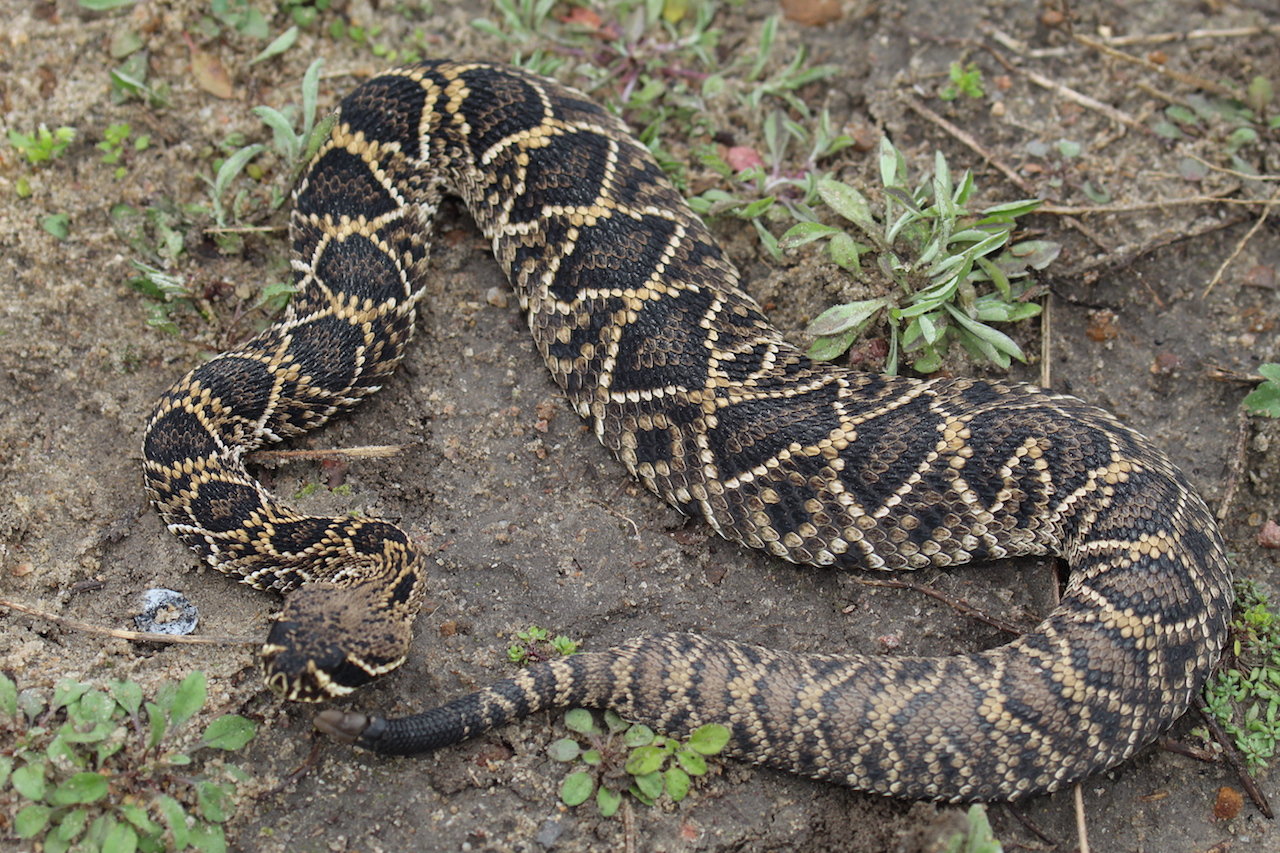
<point x="331" y="639"/>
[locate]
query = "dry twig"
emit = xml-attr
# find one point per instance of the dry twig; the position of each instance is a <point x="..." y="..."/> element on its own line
<point x="1244" y="241"/>
<point x="142" y="636"/>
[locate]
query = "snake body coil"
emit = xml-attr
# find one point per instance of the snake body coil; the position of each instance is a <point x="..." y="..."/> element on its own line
<point x="641" y="321"/>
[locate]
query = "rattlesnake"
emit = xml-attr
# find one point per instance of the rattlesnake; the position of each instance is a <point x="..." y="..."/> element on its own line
<point x="640" y="320"/>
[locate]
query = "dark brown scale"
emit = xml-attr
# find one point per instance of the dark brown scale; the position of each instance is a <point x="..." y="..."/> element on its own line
<point x="640" y="320"/>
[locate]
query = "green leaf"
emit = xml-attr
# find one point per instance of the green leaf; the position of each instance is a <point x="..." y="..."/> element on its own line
<point x="208" y="838"/>
<point x="72" y="824"/>
<point x="175" y="817"/>
<point x="128" y="694"/>
<point x="8" y="698"/>
<point x="709" y="739"/>
<point x="607" y="801"/>
<point x="104" y="5"/>
<point x="230" y="732"/>
<point x="31" y="820"/>
<point x="846" y="251"/>
<point x="614" y="723"/>
<point x="214" y="801"/>
<point x="1036" y="254"/>
<point x="756" y="208"/>
<point x="581" y="720"/>
<point x="806" y="232"/>
<point x="121" y="839"/>
<point x="231" y="167"/>
<point x="691" y="761"/>
<point x="283" y="137"/>
<point x="852" y="205"/>
<point x="57" y="224"/>
<point x="156" y="725"/>
<point x="827" y="347"/>
<point x="6" y="765"/>
<point x="80" y="788"/>
<point x="650" y="786"/>
<point x="28" y="780"/>
<point x="189" y="699"/>
<point x="564" y="749"/>
<point x="845" y="317"/>
<point x="1265" y="399"/>
<point x="278" y="45"/>
<point x="638" y="735"/>
<point x="137" y="816"/>
<point x="678" y="783"/>
<point x="645" y="760"/>
<point x="576" y="788"/>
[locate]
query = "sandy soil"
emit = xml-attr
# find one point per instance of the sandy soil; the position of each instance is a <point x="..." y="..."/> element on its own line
<point x="527" y="518"/>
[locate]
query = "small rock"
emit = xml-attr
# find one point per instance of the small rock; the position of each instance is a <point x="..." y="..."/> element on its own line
<point x="550" y="834"/>
<point x="1269" y="535"/>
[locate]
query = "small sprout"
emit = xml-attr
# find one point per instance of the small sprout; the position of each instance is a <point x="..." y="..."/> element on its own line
<point x="965" y="80"/>
<point x="43" y="145"/>
<point x="977" y="838"/>
<point x="537" y="644"/>
<point x="57" y="224"/>
<point x="630" y="758"/>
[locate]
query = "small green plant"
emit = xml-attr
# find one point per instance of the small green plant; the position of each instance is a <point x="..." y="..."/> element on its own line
<point x="755" y="190"/>
<point x="1233" y="126"/>
<point x="937" y="256"/>
<point x="1265" y="399"/>
<point x="44" y="144"/>
<point x="293" y="147"/>
<point x="537" y="644"/>
<point x="1244" y="696"/>
<point x="629" y="758"/>
<point x="978" y="837"/>
<point x="965" y="80"/>
<point x="100" y="769"/>
<point x="113" y="142"/>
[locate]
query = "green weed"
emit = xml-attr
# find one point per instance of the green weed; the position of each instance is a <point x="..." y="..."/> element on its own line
<point x="100" y="769"/>
<point x="626" y="758"/>
<point x="43" y="145"/>
<point x="538" y="644"/>
<point x="965" y="80"/>
<point x="939" y="258"/>
<point x="1244" y="696"/>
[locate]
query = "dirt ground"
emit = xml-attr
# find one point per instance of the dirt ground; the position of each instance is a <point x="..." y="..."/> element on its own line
<point x="526" y="516"/>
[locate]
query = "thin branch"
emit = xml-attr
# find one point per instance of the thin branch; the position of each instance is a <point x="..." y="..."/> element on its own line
<point x="1151" y="205"/>
<point x="1156" y="68"/>
<point x="1165" y="38"/>
<point x="143" y="636"/>
<point x="368" y="451"/>
<point x="1244" y="241"/>
<point x="1082" y="830"/>
<point x="1086" y="101"/>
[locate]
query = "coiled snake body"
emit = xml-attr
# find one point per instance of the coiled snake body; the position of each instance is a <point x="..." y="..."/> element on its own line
<point x="641" y="321"/>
